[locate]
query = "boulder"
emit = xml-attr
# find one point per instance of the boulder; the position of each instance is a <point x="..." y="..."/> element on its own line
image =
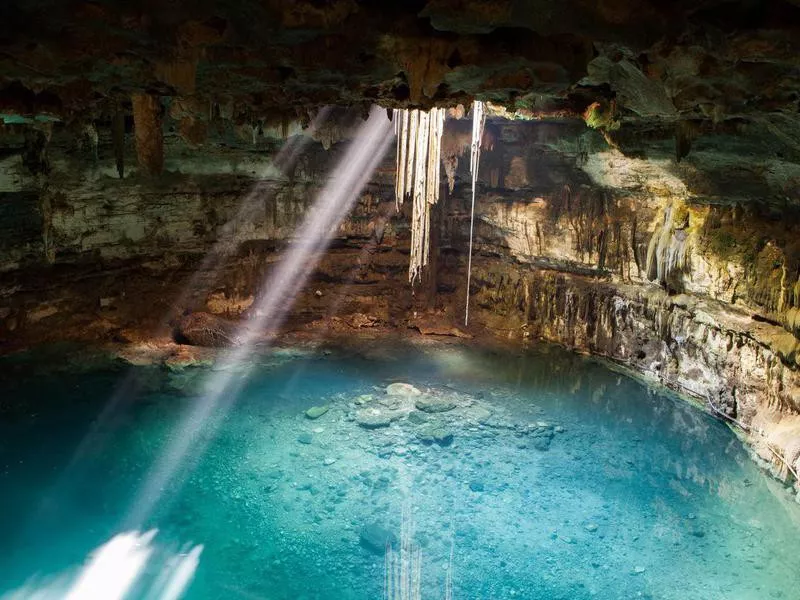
<point x="204" y="329"/>
<point x="435" y="434"/>
<point x="374" y="537"/>
<point x="373" y="418"/>
<point x="432" y="404"/>
<point x="402" y="389"/>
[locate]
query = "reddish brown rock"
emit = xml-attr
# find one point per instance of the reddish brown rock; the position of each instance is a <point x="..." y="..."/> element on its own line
<point x="204" y="329"/>
<point x="149" y="134"/>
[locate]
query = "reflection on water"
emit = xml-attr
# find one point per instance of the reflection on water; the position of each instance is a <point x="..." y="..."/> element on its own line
<point x="542" y="475"/>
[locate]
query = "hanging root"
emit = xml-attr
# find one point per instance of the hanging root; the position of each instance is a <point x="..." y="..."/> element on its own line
<point x="419" y="143"/>
<point x="478" y="121"/>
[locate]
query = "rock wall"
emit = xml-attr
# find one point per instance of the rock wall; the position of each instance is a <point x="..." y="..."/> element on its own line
<point x="656" y="264"/>
<point x="698" y="347"/>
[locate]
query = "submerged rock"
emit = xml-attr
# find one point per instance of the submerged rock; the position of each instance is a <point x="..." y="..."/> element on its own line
<point x="315" y="412"/>
<point x="402" y="389"/>
<point x="431" y="404"/>
<point x="375" y="537"/>
<point x="435" y="434"/>
<point x="417" y="418"/>
<point x="363" y="399"/>
<point x="373" y="418"/>
<point x="541" y="435"/>
<point x="478" y="414"/>
<point x="391" y="402"/>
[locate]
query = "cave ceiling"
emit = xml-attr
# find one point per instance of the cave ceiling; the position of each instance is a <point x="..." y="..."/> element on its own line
<point x="717" y="82"/>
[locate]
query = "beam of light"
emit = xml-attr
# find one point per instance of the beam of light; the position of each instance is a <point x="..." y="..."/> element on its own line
<point x="47" y="510"/>
<point x="283" y="163"/>
<point x="113" y="568"/>
<point x="116" y="568"/>
<point x="176" y="576"/>
<point x="128" y="390"/>
<point x="274" y="300"/>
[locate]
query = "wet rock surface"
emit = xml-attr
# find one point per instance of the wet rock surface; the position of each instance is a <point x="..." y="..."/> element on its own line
<point x="204" y="329"/>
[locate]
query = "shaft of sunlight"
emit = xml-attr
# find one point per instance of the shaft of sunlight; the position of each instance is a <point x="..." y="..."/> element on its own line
<point x="113" y="568"/>
<point x="208" y="269"/>
<point x="251" y="205"/>
<point x="129" y="564"/>
<point x="177" y="575"/>
<point x="275" y="299"/>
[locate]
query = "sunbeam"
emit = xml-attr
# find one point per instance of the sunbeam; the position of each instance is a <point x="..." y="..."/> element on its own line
<point x="274" y="301"/>
<point x="253" y="345"/>
<point x="130" y="387"/>
<point x="281" y="165"/>
<point x="128" y="561"/>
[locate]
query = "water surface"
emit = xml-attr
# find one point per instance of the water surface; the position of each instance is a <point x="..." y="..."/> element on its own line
<point x="551" y="477"/>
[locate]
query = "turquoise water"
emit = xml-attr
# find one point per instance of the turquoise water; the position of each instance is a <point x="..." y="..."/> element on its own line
<point x="547" y="475"/>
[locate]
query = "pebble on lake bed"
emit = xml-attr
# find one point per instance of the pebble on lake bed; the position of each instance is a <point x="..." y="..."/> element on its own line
<point x="315" y="412"/>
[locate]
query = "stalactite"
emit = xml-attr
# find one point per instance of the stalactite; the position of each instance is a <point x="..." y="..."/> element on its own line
<point x="118" y="140"/>
<point x="668" y="252"/>
<point x="148" y="133"/>
<point x="419" y="142"/>
<point x="478" y="121"/>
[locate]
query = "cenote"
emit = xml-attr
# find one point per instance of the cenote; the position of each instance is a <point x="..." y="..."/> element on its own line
<point x="419" y="300"/>
<point x="538" y="474"/>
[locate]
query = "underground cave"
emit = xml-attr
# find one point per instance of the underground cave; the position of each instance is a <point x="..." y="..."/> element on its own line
<point x="435" y="299"/>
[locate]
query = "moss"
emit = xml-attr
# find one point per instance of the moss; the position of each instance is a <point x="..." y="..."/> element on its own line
<point x="680" y="217"/>
<point x="597" y="117"/>
<point x="722" y="242"/>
